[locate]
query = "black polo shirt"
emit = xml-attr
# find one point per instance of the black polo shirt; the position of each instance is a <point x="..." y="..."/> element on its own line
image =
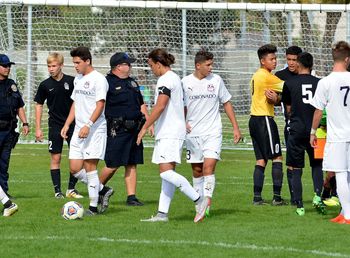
<point x="10" y="99"/>
<point x="124" y="98"/>
<point x="57" y="94"/>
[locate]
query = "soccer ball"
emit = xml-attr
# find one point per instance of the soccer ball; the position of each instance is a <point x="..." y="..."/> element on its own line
<point x="72" y="210"/>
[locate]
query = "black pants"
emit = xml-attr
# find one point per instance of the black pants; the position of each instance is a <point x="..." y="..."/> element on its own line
<point x="6" y="141"/>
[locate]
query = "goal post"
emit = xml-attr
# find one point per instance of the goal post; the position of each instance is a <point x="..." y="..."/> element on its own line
<point x="31" y="29"/>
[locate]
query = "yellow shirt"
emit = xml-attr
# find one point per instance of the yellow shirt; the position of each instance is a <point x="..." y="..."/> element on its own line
<point x="261" y="81"/>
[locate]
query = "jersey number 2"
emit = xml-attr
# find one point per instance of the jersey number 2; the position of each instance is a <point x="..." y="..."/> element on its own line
<point x="306" y="93"/>
<point x="346" y="88"/>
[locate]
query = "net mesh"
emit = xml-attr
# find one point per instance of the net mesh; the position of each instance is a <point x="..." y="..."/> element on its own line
<point x="232" y="35"/>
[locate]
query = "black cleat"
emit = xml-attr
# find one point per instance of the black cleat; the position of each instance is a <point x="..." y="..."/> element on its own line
<point x="134" y="202"/>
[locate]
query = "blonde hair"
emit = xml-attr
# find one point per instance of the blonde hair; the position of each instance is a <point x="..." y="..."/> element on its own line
<point x="55" y="57"/>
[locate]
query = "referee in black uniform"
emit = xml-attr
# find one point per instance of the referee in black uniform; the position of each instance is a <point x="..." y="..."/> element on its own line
<point x="11" y="106"/>
<point x="125" y="114"/>
<point x="56" y="90"/>
<point x="297" y="95"/>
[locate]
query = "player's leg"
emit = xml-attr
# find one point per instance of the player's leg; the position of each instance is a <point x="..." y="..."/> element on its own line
<point x="289" y="169"/>
<point x="90" y="166"/>
<point x="130" y="178"/>
<point x="343" y="186"/>
<point x="9" y="207"/>
<point x="105" y="192"/>
<point x="56" y="173"/>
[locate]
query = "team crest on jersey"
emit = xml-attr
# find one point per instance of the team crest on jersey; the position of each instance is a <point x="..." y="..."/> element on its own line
<point x="210" y="87"/>
<point x="66" y="86"/>
<point x="86" y="85"/>
<point x="14" y="88"/>
<point x="134" y="84"/>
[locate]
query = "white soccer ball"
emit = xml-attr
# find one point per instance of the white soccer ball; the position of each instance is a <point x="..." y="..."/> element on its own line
<point x="72" y="210"/>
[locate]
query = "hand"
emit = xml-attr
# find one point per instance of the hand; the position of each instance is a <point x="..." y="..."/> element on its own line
<point x="140" y="135"/>
<point x="64" y="131"/>
<point x="237" y="136"/>
<point x="188" y="128"/>
<point x="151" y="130"/>
<point x="272" y="97"/>
<point x="84" y="132"/>
<point x="25" y="130"/>
<point x="39" y="135"/>
<point x="313" y="140"/>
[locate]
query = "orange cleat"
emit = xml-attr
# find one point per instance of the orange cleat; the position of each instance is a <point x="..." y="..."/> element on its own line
<point x="338" y="218"/>
<point x="344" y="221"/>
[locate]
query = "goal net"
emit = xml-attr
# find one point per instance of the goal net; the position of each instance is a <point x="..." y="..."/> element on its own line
<point x="233" y="32"/>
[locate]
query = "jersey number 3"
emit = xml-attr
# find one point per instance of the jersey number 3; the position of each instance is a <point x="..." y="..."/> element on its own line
<point x="306" y="93"/>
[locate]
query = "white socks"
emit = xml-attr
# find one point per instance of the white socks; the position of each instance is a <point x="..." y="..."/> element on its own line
<point x="166" y="195"/>
<point x="209" y="185"/>
<point x="93" y="187"/>
<point x="3" y="197"/>
<point x="343" y="189"/>
<point x="198" y="184"/>
<point x="181" y="182"/>
<point x="81" y="175"/>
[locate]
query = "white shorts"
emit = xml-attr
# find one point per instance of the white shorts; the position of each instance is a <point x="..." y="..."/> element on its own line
<point x="167" y="151"/>
<point x="336" y="157"/>
<point x="92" y="147"/>
<point x="200" y="147"/>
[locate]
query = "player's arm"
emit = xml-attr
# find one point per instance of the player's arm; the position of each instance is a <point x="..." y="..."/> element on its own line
<point x="85" y="130"/>
<point x="145" y="112"/>
<point x="162" y="102"/>
<point x="231" y="115"/>
<point x="315" y="123"/>
<point x="22" y="116"/>
<point x="38" y="114"/>
<point x="68" y="122"/>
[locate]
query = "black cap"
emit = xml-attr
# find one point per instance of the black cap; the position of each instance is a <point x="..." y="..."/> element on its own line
<point x="5" y="60"/>
<point x="120" y="58"/>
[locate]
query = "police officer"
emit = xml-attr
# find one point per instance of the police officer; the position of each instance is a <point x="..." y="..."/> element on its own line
<point x="11" y="106"/>
<point x="125" y="113"/>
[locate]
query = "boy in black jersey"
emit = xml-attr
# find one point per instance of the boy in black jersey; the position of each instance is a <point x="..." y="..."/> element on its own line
<point x="297" y="94"/>
<point x="56" y="90"/>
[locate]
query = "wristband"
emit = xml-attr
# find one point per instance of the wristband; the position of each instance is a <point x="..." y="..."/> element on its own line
<point x="25" y="124"/>
<point x="313" y="131"/>
<point x="89" y="123"/>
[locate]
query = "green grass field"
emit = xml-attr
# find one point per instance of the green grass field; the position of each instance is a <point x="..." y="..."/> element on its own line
<point x="235" y="229"/>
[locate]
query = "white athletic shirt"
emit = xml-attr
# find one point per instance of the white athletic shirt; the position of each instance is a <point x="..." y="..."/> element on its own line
<point x="202" y="99"/>
<point x="171" y="123"/>
<point x="87" y="91"/>
<point x="332" y="93"/>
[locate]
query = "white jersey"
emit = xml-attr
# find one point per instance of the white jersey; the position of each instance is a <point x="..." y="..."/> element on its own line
<point x="171" y="123"/>
<point x="202" y="99"/>
<point x="332" y="94"/>
<point x="88" y="89"/>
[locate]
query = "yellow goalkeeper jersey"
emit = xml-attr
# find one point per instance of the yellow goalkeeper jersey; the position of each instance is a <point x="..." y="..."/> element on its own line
<point x="261" y="81"/>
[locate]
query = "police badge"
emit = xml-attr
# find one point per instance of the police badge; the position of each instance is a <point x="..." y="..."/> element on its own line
<point x="14" y="87"/>
<point x="66" y="86"/>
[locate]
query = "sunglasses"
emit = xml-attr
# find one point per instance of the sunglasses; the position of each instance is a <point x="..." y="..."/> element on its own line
<point x="6" y="65"/>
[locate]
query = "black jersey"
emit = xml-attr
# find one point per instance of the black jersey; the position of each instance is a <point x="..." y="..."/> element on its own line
<point x="298" y="93"/>
<point x="285" y="74"/>
<point x="124" y="98"/>
<point x="10" y="100"/>
<point x="57" y="94"/>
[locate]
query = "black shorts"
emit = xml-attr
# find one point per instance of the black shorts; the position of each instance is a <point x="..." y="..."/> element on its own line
<point x="266" y="140"/>
<point x="296" y="146"/>
<point x="55" y="138"/>
<point x="122" y="150"/>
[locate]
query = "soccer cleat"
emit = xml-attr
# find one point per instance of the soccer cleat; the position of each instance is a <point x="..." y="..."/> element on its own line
<point x="158" y="218"/>
<point x="202" y="208"/>
<point x="90" y="213"/>
<point x="319" y="205"/>
<point x="207" y="212"/>
<point x="343" y="221"/>
<point x="134" y="202"/>
<point x="104" y="199"/>
<point x="300" y="211"/>
<point x="332" y="202"/>
<point x="59" y="195"/>
<point x="259" y="202"/>
<point x="72" y="193"/>
<point x="10" y="210"/>
<point x="279" y="202"/>
<point x="338" y="218"/>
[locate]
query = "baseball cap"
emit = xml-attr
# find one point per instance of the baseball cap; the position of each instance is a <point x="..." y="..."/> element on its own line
<point x="5" y="60"/>
<point x="120" y="58"/>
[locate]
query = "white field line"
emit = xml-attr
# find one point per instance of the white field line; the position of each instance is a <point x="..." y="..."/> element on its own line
<point x="225" y="245"/>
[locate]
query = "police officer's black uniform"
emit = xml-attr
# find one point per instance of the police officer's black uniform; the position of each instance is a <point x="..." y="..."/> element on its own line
<point x="10" y="101"/>
<point x="124" y="121"/>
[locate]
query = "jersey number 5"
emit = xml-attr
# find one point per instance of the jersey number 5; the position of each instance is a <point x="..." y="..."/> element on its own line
<point x="306" y="93"/>
<point x="346" y="88"/>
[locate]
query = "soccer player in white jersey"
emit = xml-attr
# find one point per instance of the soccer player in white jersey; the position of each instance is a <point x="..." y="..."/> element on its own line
<point x="88" y="142"/>
<point x="170" y="131"/>
<point x="204" y="92"/>
<point x="332" y="94"/>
